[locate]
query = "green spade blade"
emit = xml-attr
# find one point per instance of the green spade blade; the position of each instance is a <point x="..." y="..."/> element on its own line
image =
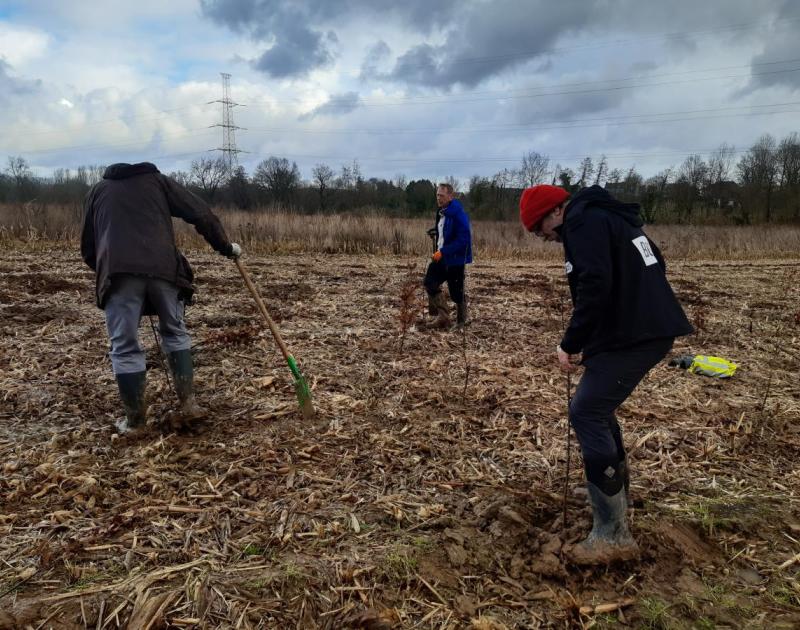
<point x="302" y="389"/>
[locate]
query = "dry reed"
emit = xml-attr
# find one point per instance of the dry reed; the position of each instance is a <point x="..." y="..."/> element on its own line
<point x="270" y="231"/>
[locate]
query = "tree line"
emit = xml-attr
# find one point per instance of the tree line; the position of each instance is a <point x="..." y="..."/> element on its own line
<point x="761" y="185"/>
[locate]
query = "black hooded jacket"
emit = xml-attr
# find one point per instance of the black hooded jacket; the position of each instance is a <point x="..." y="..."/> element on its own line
<point x="620" y="293"/>
<point x="127" y="227"/>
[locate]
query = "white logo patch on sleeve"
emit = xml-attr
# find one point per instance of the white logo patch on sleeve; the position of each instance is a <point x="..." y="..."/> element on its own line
<point x="643" y="247"/>
<point x="568" y="267"/>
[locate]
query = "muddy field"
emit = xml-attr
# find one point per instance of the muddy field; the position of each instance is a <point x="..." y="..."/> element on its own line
<point x="428" y="491"/>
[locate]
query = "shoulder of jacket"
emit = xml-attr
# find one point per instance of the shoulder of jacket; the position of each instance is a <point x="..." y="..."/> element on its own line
<point x="585" y="215"/>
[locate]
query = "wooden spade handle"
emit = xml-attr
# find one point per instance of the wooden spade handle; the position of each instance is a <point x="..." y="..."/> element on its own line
<point x="262" y="307"/>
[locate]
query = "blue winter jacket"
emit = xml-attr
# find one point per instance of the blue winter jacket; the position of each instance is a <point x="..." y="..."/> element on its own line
<point x="457" y="248"/>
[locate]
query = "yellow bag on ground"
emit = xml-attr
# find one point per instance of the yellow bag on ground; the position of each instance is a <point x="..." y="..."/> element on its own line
<point x="712" y="366"/>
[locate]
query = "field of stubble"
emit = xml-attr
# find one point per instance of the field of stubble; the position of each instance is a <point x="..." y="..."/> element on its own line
<point x="428" y="491"/>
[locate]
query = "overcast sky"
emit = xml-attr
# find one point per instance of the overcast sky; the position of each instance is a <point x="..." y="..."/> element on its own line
<point x="426" y="88"/>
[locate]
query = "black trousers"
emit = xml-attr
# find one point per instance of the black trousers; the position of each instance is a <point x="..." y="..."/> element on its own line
<point x="608" y="379"/>
<point x="438" y="273"/>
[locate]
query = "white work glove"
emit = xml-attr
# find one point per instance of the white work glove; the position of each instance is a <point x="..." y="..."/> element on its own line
<point x="236" y="251"/>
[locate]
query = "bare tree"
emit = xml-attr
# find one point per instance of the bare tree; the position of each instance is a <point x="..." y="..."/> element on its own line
<point x="614" y="176"/>
<point x="602" y="169"/>
<point x="60" y="176"/>
<point x="453" y="181"/>
<point x="789" y="160"/>
<point x="323" y="177"/>
<point x="661" y="179"/>
<point x="500" y="182"/>
<point x="238" y="186"/>
<point x="533" y="169"/>
<point x="182" y="177"/>
<point x="565" y="177"/>
<point x="208" y="174"/>
<point x="694" y="171"/>
<point x="657" y="186"/>
<point x="632" y="182"/>
<point x="279" y="177"/>
<point x="587" y="170"/>
<point x="758" y="170"/>
<point x="19" y="170"/>
<point x="719" y="164"/>
<point x="789" y="166"/>
<point x="345" y="179"/>
<point x="355" y="171"/>
<point x="95" y="173"/>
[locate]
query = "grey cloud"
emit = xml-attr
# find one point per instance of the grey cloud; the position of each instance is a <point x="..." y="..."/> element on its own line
<point x="565" y="107"/>
<point x="767" y="73"/>
<point x="11" y="86"/>
<point x="255" y="16"/>
<point x="296" y="33"/>
<point x="491" y="38"/>
<point x="376" y="54"/>
<point x="295" y="47"/>
<point x="782" y="45"/>
<point x="643" y="67"/>
<point x="296" y="50"/>
<point x="238" y="15"/>
<point x="337" y="104"/>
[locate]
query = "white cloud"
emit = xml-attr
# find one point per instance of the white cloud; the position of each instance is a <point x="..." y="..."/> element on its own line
<point x="137" y="86"/>
<point x="19" y="45"/>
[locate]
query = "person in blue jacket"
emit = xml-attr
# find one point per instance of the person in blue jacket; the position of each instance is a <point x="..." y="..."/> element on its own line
<point x="625" y="318"/>
<point x="453" y="241"/>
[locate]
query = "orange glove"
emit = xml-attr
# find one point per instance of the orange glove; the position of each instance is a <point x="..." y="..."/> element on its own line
<point x="437" y="256"/>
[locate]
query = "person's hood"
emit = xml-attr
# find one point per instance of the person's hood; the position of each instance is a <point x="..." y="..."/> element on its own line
<point x="122" y="170"/>
<point x="599" y="197"/>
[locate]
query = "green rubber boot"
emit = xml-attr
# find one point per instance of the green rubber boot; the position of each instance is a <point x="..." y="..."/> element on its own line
<point x="462" y="315"/>
<point x="610" y="539"/>
<point x="180" y="362"/>
<point x="132" y="393"/>
<point x="442" y="311"/>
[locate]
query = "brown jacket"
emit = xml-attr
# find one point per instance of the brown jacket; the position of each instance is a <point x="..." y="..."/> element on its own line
<point x="127" y="227"/>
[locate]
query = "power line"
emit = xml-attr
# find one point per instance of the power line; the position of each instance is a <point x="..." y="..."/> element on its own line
<point x="685" y="115"/>
<point x="501" y="159"/>
<point x="638" y="77"/>
<point x="108" y="121"/>
<point x="505" y="95"/>
<point x="190" y="133"/>
<point x="545" y="125"/>
<point x="495" y="95"/>
<point x="553" y="124"/>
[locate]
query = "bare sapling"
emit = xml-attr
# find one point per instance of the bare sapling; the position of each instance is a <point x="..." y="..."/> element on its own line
<point x="408" y="302"/>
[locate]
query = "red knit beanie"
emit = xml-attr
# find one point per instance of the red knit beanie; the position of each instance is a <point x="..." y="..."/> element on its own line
<point x="537" y="201"/>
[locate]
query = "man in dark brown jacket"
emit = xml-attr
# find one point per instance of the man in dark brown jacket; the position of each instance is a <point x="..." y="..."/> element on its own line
<point x="129" y="242"/>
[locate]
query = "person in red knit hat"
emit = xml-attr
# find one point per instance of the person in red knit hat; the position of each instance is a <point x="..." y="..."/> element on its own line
<point x="624" y="320"/>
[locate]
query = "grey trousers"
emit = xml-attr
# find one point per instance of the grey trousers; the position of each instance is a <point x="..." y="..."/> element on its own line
<point x="123" y="310"/>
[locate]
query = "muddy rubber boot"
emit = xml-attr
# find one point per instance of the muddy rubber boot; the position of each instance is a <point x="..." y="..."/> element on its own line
<point x="462" y="315"/>
<point x="442" y="311"/>
<point x="425" y="322"/>
<point x="625" y="473"/>
<point x="610" y="539"/>
<point x="432" y="310"/>
<point x="131" y="392"/>
<point x="180" y="362"/>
